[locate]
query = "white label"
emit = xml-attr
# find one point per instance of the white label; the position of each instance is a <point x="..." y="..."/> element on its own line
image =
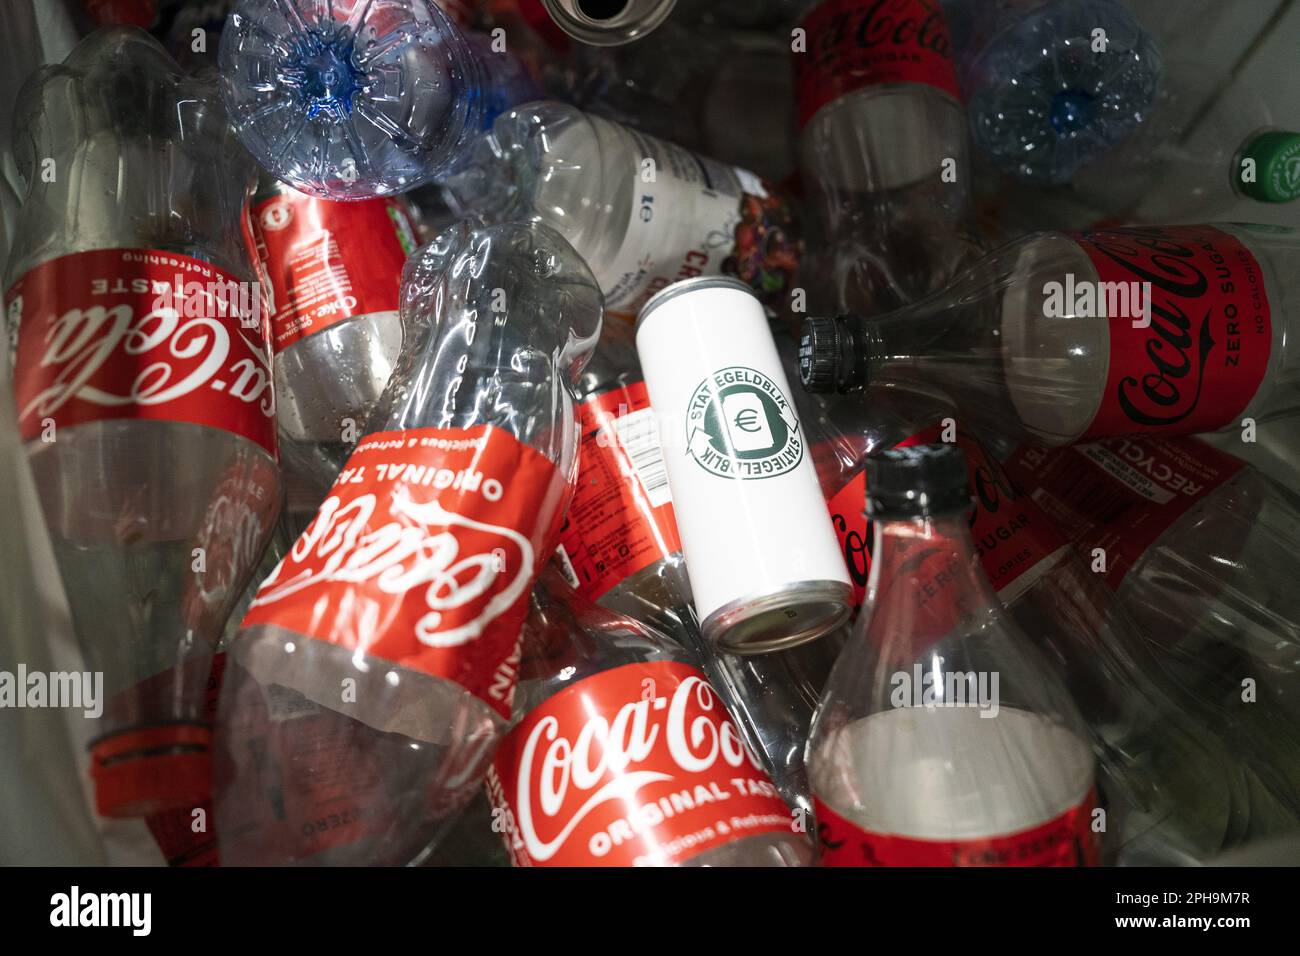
<point x="638" y="433"/>
<point x="682" y="224"/>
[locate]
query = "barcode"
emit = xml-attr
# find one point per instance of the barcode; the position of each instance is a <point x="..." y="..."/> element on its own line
<point x="1079" y="499"/>
<point x="638" y="433"/>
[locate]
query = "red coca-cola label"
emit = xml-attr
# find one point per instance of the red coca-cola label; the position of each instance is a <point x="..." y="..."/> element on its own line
<point x="1065" y="840"/>
<point x="1201" y="358"/>
<point x="1120" y="494"/>
<point x="1012" y="536"/>
<point x="423" y="554"/>
<point x="137" y="333"/>
<point x="621" y="519"/>
<point x="325" y="262"/>
<point x="857" y="43"/>
<point x="637" y="765"/>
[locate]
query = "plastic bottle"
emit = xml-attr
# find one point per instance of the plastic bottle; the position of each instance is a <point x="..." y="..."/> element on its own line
<point x="144" y="391"/>
<point x="1051" y="85"/>
<point x="355" y="99"/>
<point x="943" y="738"/>
<point x="378" y="661"/>
<point x="621" y="753"/>
<point x="1062" y="337"/>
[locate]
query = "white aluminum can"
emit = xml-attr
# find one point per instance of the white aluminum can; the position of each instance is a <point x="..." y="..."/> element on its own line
<point x="764" y="565"/>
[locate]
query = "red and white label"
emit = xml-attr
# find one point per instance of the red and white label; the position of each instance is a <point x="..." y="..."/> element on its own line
<point x="325" y="262"/>
<point x="423" y="554"/>
<point x="137" y="333"/>
<point x="1065" y="840"/>
<point x="637" y="765"/>
<point x="621" y="519"/>
<point x="1012" y="536"/>
<point x="857" y="43"/>
<point x="1120" y="494"/>
<point x="1201" y="359"/>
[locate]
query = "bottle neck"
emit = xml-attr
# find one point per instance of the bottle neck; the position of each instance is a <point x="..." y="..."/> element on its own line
<point x="926" y="582"/>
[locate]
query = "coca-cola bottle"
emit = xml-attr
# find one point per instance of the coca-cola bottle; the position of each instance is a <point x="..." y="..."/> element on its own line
<point x="1059" y="337"/>
<point x="642" y="212"/>
<point x="944" y="739"/>
<point x="621" y="754"/>
<point x="1170" y="768"/>
<point x="1198" y="546"/>
<point x="882" y="151"/>
<point x="332" y="273"/>
<point x="619" y="546"/>
<point x="376" y="667"/>
<point x="143" y="384"/>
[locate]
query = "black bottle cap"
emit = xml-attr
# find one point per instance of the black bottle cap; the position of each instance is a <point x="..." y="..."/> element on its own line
<point x="918" y="481"/>
<point x="830" y="359"/>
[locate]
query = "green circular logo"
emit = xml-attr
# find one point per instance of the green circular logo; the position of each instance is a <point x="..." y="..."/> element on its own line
<point x="739" y="424"/>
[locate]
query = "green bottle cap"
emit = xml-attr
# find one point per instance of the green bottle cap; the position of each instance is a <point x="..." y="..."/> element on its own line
<point x="1276" y="173"/>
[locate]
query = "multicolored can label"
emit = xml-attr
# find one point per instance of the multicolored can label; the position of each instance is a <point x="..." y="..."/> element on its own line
<point x="853" y="44"/>
<point x="140" y="333"/>
<point x="1194" y="364"/>
<point x="637" y="765"/>
<point x="423" y="554"/>
<point x="621" y="519"/>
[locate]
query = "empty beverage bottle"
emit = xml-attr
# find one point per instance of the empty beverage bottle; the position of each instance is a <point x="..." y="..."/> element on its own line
<point x="1197" y="544"/>
<point x="619" y="546"/>
<point x="1181" y="166"/>
<point x="1174" y="788"/>
<point x="882" y="151"/>
<point x="607" y="22"/>
<point x="621" y="754"/>
<point x="943" y="738"/>
<point x="642" y="212"/>
<point x="1053" y="84"/>
<point x="332" y="273"/>
<point x="143" y="385"/>
<point x="392" y="627"/>
<point x="360" y="98"/>
<point x="1059" y="337"/>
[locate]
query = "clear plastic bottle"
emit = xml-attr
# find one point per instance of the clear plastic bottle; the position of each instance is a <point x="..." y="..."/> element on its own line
<point x="150" y="437"/>
<point x="410" y="585"/>
<point x="360" y="98"/>
<point x="882" y="152"/>
<point x="1174" y="786"/>
<point x="1047" y="337"/>
<point x="1053" y="84"/>
<point x="1200" y="154"/>
<point x="642" y="212"/>
<point x="332" y="274"/>
<point x="1198" y="548"/>
<point x="943" y="738"/>
<point x="621" y="754"/>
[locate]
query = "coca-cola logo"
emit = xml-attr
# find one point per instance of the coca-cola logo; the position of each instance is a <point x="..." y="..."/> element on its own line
<point x="566" y="773"/>
<point x="893" y="23"/>
<point x="420" y="548"/>
<point x="171" y="356"/>
<point x="1175" y="353"/>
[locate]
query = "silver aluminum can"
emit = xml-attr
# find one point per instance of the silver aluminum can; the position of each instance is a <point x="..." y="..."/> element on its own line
<point x="764" y="565"/>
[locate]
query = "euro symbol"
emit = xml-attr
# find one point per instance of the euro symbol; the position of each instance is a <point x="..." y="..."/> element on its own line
<point x="747" y="420"/>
